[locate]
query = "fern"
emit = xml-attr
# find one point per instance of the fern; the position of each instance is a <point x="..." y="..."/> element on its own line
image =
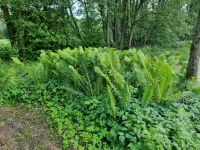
<point x="112" y="100"/>
<point x="72" y="91"/>
<point x="65" y="55"/>
<point x="148" y="93"/>
<point x="165" y="80"/>
<point x="90" y="70"/>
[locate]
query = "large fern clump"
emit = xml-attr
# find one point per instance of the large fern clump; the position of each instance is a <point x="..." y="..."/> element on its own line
<point x="118" y="75"/>
<point x="153" y="77"/>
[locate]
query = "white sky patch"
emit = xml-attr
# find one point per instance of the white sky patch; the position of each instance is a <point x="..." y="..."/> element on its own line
<point x="78" y="10"/>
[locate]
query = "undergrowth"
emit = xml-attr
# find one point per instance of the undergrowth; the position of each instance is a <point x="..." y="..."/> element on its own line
<point x="108" y="99"/>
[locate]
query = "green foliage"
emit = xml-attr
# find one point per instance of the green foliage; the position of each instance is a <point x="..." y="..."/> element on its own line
<point x="4" y="76"/>
<point x="6" y="52"/>
<point x="148" y="93"/>
<point x="154" y="79"/>
<point x="120" y="72"/>
<point x="177" y="57"/>
<point x="101" y="98"/>
<point x="83" y="124"/>
<point x="2" y="27"/>
<point x="46" y="25"/>
<point x="75" y="68"/>
<point x="94" y="98"/>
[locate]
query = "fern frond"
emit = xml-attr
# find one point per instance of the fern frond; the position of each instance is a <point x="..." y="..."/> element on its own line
<point x="112" y="101"/>
<point x="148" y="93"/>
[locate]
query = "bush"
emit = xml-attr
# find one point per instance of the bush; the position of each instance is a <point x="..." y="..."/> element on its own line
<point x="6" y="51"/>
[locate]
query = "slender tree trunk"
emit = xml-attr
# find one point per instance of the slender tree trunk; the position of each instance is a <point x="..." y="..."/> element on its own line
<point x="21" y="35"/>
<point x="134" y="15"/>
<point x="138" y="4"/>
<point x="104" y="20"/>
<point x="124" y="23"/>
<point x="114" y="24"/>
<point x="108" y="25"/>
<point x="76" y="27"/>
<point x="107" y="32"/>
<point x="131" y="36"/>
<point x="114" y="30"/>
<point x="192" y="69"/>
<point x="10" y="25"/>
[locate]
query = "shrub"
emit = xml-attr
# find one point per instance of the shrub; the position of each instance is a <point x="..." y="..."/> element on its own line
<point x="6" y="51"/>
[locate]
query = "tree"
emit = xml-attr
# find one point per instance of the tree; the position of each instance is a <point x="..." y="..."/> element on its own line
<point x="2" y="27"/>
<point x="121" y="24"/>
<point x="9" y="24"/>
<point x="193" y="63"/>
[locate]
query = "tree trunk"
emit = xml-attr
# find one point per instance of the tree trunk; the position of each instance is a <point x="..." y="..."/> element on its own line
<point x="124" y="25"/>
<point x="104" y="20"/>
<point x="21" y="36"/>
<point x="192" y="69"/>
<point x="114" y="25"/>
<point x="131" y="36"/>
<point x="10" y="25"/>
<point x="108" y="25"/>
<point x="76" y="27"/>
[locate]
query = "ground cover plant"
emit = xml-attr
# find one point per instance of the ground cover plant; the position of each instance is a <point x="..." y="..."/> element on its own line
<point x="108" y="99"/>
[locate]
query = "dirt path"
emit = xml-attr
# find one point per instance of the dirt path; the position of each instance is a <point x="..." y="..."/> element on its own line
<point x="22" y="129"/>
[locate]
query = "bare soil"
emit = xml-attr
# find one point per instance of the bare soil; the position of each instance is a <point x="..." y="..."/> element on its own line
<point x="24" y="129"/>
